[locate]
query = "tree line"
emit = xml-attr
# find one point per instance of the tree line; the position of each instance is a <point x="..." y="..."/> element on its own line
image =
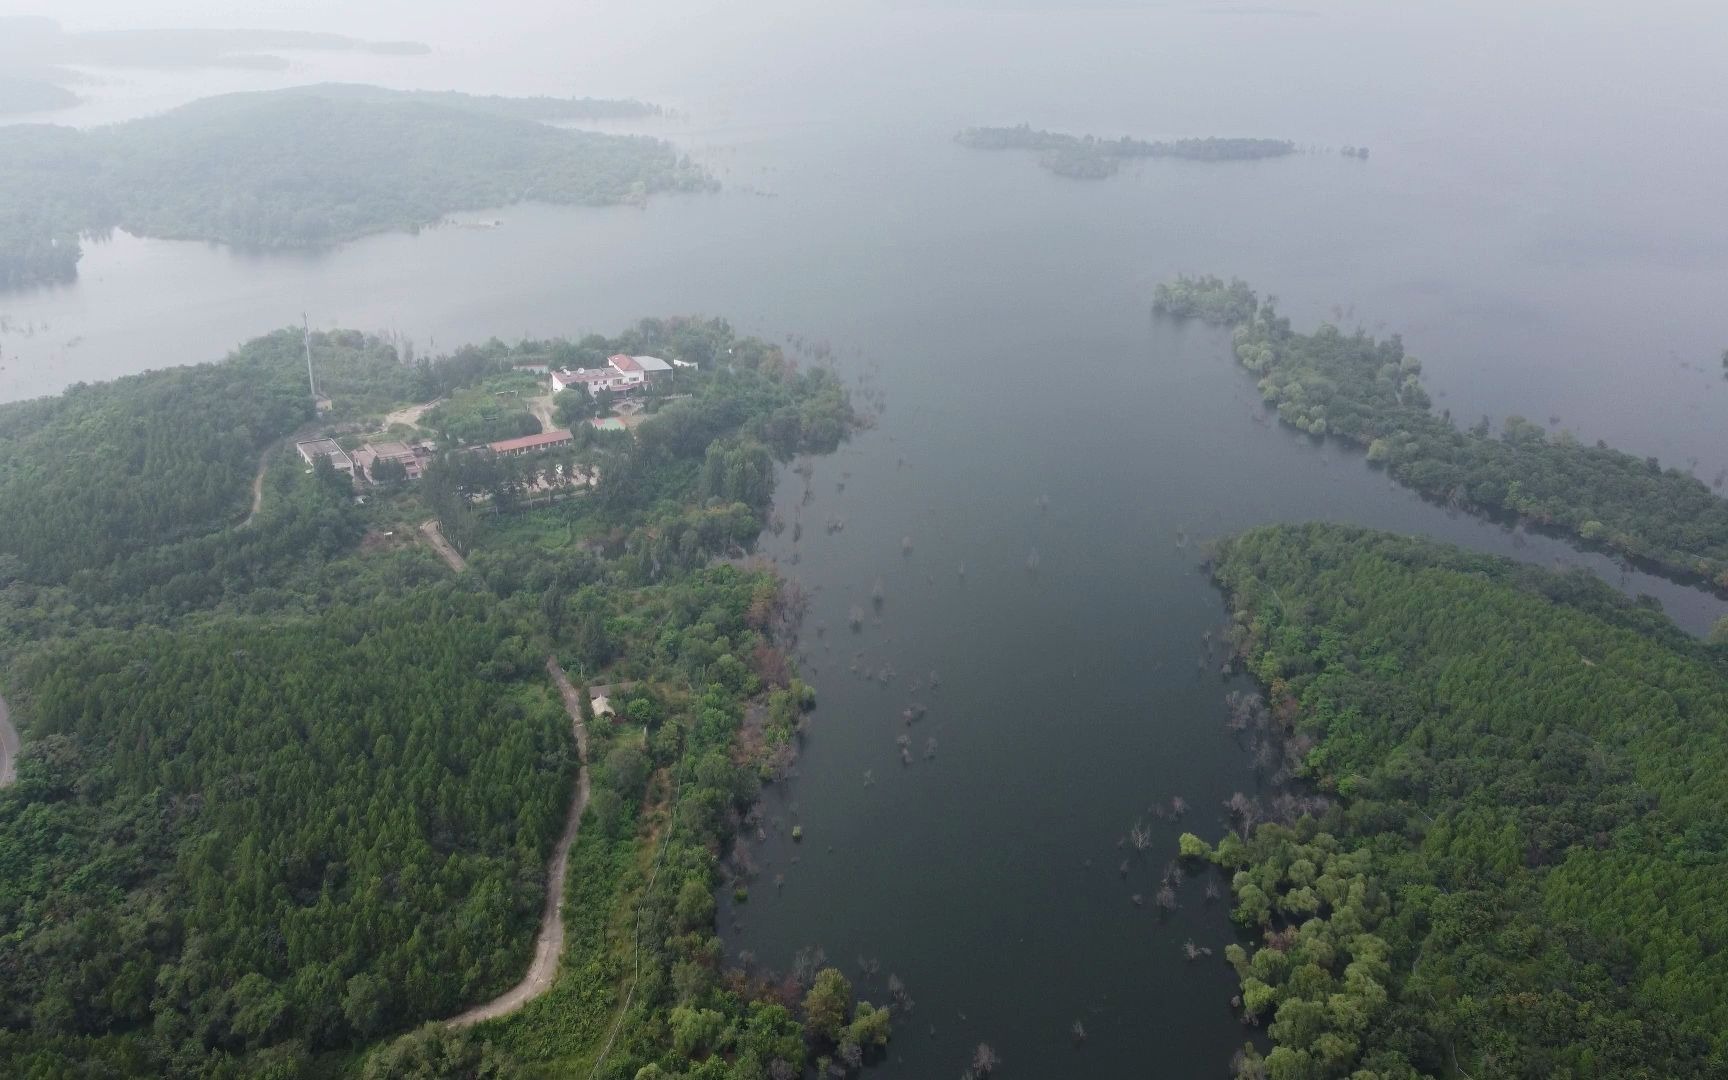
<point x="1087" y="157"/>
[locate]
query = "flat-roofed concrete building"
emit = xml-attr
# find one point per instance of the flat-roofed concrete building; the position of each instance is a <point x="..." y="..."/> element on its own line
<point x="401" y="453"/>
<point x="313" y="449"/>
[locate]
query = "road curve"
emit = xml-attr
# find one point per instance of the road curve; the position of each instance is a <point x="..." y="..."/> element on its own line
<point x="9" y="747"/>
<point x="549" y="945"/>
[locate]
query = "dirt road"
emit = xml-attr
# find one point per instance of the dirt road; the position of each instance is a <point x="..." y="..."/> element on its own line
<point x="258" y="487"/>
<point x="409" y="416"/>
<point x="549" y="945"/>
<point x="541" y="407"/>
<point x="442" y="546"/>
<point x="9" y="747"/>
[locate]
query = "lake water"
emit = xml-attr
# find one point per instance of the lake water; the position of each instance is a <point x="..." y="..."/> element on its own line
<point x="1538" y="218"/>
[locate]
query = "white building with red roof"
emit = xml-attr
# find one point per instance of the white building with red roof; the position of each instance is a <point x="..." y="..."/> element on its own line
<point x="621" y="373"/>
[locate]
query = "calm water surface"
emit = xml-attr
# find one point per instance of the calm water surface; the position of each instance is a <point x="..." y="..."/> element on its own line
<point x="1536" y="218"/>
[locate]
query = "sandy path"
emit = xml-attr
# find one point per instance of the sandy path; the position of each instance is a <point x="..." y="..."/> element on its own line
<point x="9" y="747"/>
<point x="549" y="945"/>
<point x="442" y="546"/>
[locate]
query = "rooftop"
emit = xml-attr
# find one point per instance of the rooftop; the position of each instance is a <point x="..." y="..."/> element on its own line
<point x="531" y="442"/>
<point x="313" y="449"/>
<point x="390" y="450"/>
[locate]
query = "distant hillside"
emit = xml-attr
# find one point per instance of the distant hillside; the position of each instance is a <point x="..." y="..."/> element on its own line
<point x="30" y="39"/>
<point x="308" y="167"/>
<point x="1086" y="157"/>
<point x="549" y="109"/>
<point x="32" y="95"/>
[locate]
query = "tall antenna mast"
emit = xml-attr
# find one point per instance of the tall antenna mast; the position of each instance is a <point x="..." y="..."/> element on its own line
<point x="306" y="338"/>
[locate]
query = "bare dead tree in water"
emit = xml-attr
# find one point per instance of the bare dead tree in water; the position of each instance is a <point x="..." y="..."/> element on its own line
<point x="851" y="1059"/>
<point x="930" y="748"/>
<point x="1213" y="892"/>
<point x="1245" y="811"/>
<point x="1167" y="898"/>
<point x="806" y="962"/>
<point x="870" y="967"/>
<point x="985" y="1060"/>
<point x="1242" y="1067"/>
<point x="1078" y="1031"/>
<point x="1140" y="836"/>
<point x="1178" y="806"/>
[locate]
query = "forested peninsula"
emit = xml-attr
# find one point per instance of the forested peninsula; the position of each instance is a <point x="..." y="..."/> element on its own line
<point x="311" y="166"/>
<point x="1509" y="860"/>
<point x="290" y="779"/>
<point x="1086" y="157"/>
<point x="1369" y="393"/>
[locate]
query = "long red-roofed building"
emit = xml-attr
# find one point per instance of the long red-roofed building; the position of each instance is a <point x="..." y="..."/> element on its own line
<point x="527" y="444"/>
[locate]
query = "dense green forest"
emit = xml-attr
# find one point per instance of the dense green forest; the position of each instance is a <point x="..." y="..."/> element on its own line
<point x="104" y="471"/>
<point x="306" y="167"/>
<point x="287" y="787"/>
<point x="1511" y="859"/>
<point x="1369" y="392"/>
<point x="274" y="838"/>
<point x="1086" y="157"/>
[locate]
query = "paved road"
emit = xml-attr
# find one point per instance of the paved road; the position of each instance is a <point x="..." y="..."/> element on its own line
<point x="8" y="747"/>
<point x="549" y="945"/>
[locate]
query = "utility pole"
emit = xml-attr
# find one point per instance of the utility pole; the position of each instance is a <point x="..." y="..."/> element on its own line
<point x="306" y="338"/>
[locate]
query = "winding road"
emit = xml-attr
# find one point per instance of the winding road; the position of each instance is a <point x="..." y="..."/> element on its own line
<point x="549" y="945"/>
<point x="9" y="747"/>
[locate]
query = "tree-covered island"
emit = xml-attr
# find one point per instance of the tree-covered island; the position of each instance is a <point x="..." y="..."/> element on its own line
<point x="1086" y="157"/>
<point x="292" y="775"/>
<point x="1369" y="392"/>
<point x="311" y="166"/>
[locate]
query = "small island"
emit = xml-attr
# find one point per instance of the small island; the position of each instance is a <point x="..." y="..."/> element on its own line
<point x="1086" y="157"/>
<point x="312" y="166"/>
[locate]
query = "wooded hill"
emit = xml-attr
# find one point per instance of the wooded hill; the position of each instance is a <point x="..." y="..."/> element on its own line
<point x="306" y="167"/>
